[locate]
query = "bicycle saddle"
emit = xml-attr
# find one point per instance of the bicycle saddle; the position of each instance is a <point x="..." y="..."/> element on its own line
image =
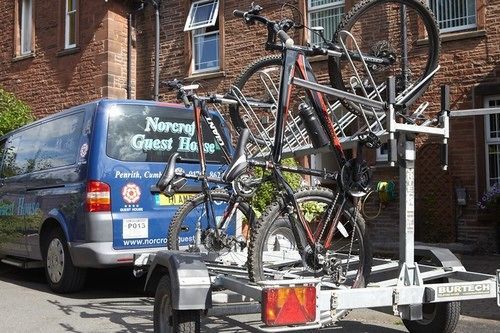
<point x="239" y="162"/>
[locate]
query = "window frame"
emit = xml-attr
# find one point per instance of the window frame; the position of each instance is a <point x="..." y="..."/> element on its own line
<point x="198" y="31"/>
<point x="26" y="31"/>
<point x="67" y="14"/>
<point x="468" y="26"/>
<point x="488" y="140"/>
<point x="21" y="32"/>
<point x="194" y="35"/>
<point x="213" y="15"/>
<point x="319" y="8"/>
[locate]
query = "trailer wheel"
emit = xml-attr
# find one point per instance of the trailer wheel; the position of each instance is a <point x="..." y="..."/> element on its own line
<point x="437" y="317"/>
<point x="167" y="319"/>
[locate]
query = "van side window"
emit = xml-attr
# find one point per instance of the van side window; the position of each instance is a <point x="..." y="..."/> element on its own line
<point x="2" y="152"/>
<point x="48" y="145"/>
<point x="11" y="166"/>
<point x="59" y="142"/>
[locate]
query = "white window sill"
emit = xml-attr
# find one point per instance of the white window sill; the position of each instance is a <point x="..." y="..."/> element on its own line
<point x="23" y="56"/>
<point x="205" y="75"/>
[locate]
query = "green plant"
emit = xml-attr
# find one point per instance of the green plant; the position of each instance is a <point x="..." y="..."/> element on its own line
<point x="267" y="191"/>
<point x="312" y="210"/>
<point x="13" y="112"/>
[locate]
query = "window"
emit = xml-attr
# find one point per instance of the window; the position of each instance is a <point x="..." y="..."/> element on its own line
<point x="203" y="24"/>
<point x="152" y="133"/>
<point x="24" y="27"/>
<point x="70" y="24"/>
<point x="492" y="137"/>
<point x="383" y="153"/>
<point x="326" y="14"/>
<point x="454" y="15"/>
<point x="49" y="145"/>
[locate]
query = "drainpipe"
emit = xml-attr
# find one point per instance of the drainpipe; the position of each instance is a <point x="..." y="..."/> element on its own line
<point x="129" y="56"/>
<point x="156" y="4"/>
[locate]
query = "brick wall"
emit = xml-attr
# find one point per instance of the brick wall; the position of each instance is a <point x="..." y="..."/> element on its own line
<point x="52" y="80"/>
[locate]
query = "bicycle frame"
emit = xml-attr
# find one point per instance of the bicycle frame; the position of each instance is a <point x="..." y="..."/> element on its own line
<point x="295" y="62"/>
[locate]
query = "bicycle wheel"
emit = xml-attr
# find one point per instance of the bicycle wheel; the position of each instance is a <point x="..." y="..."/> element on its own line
<point x="376" y="27"/>
<point x="346" y="262"/>
<point x="259" y="85"/>
<point x="258" y="82"/>
<point x="193" y="228"/>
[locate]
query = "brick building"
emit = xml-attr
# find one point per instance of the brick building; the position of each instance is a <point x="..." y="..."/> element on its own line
<point x="79" y="52"/>
<point x="55" y="54"/>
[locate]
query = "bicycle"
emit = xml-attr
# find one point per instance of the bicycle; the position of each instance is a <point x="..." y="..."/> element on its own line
<point x="329" y="232"/>
<point x="207" y="221"/>
<point x="357" y="37"/>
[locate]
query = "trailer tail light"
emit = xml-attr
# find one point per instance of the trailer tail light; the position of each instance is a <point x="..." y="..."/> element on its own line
<point x="288" y="306"/>
<point x="98" y="197"/>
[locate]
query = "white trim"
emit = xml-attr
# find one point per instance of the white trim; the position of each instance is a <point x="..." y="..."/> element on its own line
<point x="190" y="25"/>
<point x="67" y="13"/>
<point x="26" y="27"/>
<point x="487" y="137"/>
<point x="325" y="6"/>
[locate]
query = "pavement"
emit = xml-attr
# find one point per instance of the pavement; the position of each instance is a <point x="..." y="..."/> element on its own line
<point x="485" y="309"/>
<point x="113" y="301"/>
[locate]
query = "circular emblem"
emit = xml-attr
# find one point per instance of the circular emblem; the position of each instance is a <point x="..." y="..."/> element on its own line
<point x="131" y="193"/>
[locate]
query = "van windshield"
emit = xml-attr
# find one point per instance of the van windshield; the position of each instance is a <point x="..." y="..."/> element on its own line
<point x="144" y="133"/>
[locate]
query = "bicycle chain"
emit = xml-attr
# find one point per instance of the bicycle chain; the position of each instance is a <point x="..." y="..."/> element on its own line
<point x="328" y="217"/>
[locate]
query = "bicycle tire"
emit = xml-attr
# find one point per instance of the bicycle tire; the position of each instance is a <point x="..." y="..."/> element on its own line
<point x="241" y="82"/>
<point x="180" y="234"/>
<point x="419" y="16"/>
<point x="165" y="318"/>
<point x="276" y="211"/>
<point x="259" y="83"/>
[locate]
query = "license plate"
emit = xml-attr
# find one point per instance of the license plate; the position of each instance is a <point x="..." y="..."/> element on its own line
<point x="176" y="200"/>
<point x="135" y="228"/>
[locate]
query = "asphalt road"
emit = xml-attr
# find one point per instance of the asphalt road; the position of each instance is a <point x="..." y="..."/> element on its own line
<point x="113" y="301"/>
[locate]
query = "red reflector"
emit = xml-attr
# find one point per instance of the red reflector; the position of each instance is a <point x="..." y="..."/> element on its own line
<point x="288" y="306"/>
<point x="98" y="197"/>
<point x="125" y="260"/>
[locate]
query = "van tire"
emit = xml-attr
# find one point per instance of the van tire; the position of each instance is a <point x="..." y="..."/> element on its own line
<point x="62" y="276"/>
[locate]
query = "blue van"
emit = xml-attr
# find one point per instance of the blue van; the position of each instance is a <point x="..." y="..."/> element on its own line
<point x="75" y="187"/>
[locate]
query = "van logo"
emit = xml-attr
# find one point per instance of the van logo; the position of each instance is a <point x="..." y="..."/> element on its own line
<point x="131" y="193"/>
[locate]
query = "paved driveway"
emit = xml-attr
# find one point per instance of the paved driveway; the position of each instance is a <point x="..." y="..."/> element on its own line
<point x="113" y="302"/>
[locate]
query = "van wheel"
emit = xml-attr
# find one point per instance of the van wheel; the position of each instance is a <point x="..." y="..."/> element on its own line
<point x="62" y="276"/>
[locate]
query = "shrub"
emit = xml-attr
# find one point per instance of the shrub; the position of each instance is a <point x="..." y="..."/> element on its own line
<point x="13" y="112"/>
<point x="267" y="191"/>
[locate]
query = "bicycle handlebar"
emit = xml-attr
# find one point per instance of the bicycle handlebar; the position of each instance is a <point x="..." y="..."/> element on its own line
<point x="278" y="29"/>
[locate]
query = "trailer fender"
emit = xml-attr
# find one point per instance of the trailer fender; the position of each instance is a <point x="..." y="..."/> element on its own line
<point x="189" y="278"/>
